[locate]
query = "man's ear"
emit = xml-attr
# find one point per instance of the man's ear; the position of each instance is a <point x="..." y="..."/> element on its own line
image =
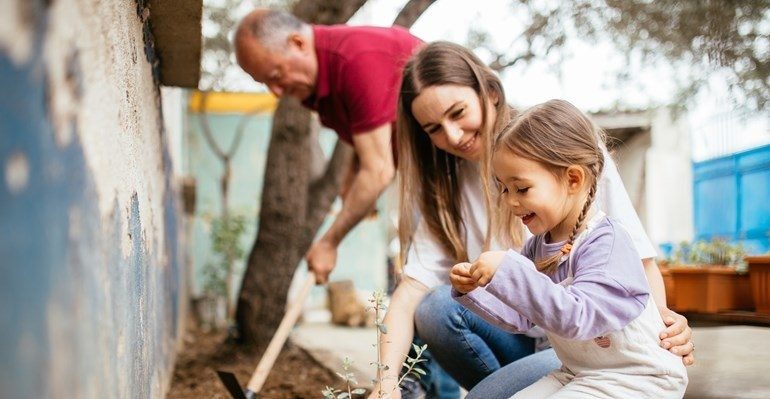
<point x="576" y="178"/>
<point x="298" y="41"/>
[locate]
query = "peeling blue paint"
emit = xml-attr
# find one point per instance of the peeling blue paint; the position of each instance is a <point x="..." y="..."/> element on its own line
<point x="76" y="317"/>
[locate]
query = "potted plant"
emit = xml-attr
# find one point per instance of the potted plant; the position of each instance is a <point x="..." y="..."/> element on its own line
<point x="759" y="275"/>
<point x="710" y="277"/>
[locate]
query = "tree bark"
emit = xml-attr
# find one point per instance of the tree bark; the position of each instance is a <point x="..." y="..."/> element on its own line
<point x="326" y="12"/>
<point x="411" y="12"/>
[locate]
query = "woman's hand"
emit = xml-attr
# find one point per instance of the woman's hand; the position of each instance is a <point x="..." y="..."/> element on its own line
<point x="677" y="337"/>
<point x="485" y="267"/>
<point x="461" y="279"/>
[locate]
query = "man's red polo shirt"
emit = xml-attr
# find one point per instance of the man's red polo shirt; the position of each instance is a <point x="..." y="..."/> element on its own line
<point x="359" y="76"/>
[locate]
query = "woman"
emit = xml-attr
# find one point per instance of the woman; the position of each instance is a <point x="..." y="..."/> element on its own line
<point x="449" y="107"/>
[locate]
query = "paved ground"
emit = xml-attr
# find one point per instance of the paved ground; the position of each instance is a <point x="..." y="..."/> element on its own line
<point x="732" y="361"/>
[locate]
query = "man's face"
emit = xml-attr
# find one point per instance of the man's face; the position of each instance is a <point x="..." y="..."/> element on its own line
<point x="289" y="71"/>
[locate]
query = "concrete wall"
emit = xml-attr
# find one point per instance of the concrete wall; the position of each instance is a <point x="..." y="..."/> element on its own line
<point x="669" y="179"/>
<point x="655" y="164"/>
<point x="630" y="158"/>
<point x="90" y="294"/>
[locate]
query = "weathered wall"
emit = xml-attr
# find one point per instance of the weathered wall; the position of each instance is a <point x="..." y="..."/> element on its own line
<point x="91" y="289"/>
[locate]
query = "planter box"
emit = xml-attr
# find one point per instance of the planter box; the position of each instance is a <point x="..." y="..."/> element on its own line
<point x="710" y="289"/>
<point x="759" y="273"/>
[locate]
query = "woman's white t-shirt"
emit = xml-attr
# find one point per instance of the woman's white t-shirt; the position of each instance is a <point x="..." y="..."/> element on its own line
<point x="428" y="263"/>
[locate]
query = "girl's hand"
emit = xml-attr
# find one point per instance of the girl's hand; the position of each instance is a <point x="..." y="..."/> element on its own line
<point x="461" y="278"/>
<point x="677" y="337"/>
<point x="485" y="267"/>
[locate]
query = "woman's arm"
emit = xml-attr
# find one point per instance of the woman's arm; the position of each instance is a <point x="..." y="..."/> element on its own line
<point x="677" y="335"/>
<point x="399" y="321"/>
<point x="655" y="279"/>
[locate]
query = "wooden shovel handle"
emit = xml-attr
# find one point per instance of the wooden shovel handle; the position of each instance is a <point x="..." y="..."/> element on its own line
<point x="276" y="343"/>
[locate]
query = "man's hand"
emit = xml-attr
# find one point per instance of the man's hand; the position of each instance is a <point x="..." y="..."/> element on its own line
<point x="321" y="259"/>
<point x="677" y="336"/>
<point x="485" y="267"/>
<point x="461" y="279"/>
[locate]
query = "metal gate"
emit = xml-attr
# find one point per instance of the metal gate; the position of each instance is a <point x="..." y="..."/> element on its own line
<point x="732" y="198"/>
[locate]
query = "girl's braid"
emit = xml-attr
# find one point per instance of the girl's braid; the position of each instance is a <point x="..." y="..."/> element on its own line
<point x="552" y="263"/>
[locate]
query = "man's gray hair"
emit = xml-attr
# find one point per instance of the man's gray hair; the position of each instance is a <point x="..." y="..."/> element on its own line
<point x="274" y="28"/>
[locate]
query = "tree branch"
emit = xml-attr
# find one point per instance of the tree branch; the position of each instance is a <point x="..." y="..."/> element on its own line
<point x="412" y="12"/>
<point x="203" y="118"/>
<point x="326" y="12"/>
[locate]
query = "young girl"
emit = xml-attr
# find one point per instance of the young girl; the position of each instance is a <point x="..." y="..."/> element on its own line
<point x="586" y="288"/>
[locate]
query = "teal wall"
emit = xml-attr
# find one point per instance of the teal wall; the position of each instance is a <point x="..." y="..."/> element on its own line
<point x="362" y="255"/>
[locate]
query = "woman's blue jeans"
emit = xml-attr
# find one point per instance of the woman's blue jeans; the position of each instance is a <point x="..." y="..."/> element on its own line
<point x="487" y="361"/>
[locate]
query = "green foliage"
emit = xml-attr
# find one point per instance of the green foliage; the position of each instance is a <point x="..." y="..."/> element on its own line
<point x="214" y="280"/>
<point x="410" y="371"/>
<point x="715" y="252"/>
<point x="697" y="38"/>
<point x="226" y="235"/>
<point x="349" y="378"/>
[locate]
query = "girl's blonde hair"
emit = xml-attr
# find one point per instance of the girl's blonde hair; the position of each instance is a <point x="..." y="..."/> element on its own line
<point x="557" y="135"/>
<point x="428" y="176"/>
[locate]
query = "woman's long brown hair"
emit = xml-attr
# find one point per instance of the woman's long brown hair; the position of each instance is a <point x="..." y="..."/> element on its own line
<point x="428" y="176"/>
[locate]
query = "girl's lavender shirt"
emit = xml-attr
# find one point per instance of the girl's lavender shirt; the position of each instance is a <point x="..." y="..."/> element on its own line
<point x="609" y="289"/>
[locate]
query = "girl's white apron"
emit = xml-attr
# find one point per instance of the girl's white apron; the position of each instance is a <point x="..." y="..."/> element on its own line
<point x="622" y="364"/>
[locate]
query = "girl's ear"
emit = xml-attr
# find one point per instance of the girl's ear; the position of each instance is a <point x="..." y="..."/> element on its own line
<point x="576" y="178"/>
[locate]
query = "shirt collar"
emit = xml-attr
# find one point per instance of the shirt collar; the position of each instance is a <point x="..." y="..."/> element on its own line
<point x="322" y="77"/>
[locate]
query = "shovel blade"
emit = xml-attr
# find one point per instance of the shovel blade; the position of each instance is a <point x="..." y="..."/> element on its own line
<point x="231" y="383"/>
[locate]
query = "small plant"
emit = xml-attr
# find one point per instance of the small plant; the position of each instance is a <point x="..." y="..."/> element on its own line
<point x="349" y="378"/>
<point x="411" y="370"/>
<point x="226" y="232"/>
<point x="718" y="251"/>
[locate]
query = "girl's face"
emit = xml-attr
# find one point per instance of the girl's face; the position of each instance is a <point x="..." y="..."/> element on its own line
<point x="544" y="201"/>
<point x="451" y="116"/>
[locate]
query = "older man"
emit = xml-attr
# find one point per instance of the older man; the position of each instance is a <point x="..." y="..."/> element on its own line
<point x="351" y="77"/>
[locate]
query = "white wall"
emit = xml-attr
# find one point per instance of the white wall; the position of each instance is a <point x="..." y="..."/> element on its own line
<point x="669" y="185"/>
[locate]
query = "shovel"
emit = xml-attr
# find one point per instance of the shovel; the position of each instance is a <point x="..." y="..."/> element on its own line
<point x="271" y="353"/>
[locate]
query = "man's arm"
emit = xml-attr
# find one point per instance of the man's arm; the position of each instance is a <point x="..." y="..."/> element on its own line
<point x="375" y="172"/>
<point x="655" y="279"/>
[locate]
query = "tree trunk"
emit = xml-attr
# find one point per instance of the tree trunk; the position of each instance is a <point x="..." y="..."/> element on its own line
<point x="294" y="201"/>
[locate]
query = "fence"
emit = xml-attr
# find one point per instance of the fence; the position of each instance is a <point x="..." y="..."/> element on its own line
<point x="732" y="198"/>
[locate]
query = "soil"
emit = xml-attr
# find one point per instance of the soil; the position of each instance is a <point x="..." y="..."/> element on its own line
<point x="295" y="375"/>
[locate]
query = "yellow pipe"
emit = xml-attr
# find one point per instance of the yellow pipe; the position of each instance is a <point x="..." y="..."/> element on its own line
<point x="222" y="102"/>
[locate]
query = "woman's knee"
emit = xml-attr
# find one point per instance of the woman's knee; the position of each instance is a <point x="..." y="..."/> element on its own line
<point x="438" y="312"/>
